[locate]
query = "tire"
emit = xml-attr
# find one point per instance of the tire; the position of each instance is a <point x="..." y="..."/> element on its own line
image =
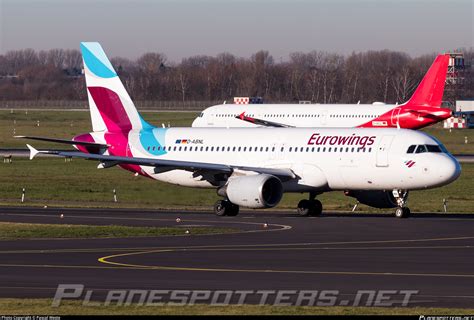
<point x="304" y="208"/>
<point x="402" y="212"/>
<point x="317" y="208"/>
<point x="407" y="212"/>
<point x="221" y="208"/>
<point x="233" y="209"/>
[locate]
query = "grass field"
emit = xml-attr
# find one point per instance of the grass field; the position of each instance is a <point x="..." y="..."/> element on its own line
<point x="16" y="231"/>
<point x="72" y="307"/>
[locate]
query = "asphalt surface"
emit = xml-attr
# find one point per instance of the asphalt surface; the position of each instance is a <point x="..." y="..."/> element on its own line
<point x="431" y="253"/>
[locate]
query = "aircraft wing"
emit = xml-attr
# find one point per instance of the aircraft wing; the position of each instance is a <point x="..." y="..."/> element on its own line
<point x="163" y="163"/>
<point x="262" y="122"/>
<point x="64" y="141"/>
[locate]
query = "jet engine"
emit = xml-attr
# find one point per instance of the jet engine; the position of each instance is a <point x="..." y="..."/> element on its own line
<point x="256" y="191"/>
<point x="376" y="199"/>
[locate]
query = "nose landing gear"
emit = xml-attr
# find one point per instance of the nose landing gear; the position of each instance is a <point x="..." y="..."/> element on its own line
<point x="401" y="197"/>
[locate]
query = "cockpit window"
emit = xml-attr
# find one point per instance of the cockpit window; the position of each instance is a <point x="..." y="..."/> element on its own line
<point x="425" y="148"/>
<point x="201" y="115"/>
<point x="433" y="148"/>
<point x="421" y="148"/>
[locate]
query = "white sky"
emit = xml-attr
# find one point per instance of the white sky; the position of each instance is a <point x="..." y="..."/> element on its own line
<point x="182" y="28"/>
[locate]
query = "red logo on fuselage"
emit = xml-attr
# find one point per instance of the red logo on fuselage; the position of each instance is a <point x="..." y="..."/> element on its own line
<point x="352" y="140"/>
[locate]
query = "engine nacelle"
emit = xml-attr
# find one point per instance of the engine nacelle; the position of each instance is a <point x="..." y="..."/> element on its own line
<point x="256" y="191"/>
<point x="377" y="199"/>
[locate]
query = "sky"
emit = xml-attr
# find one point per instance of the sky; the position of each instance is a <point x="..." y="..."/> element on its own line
<point x="183" y="28"/>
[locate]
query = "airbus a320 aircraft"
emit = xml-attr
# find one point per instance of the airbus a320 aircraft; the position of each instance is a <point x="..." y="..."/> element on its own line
<point x="423" y="109"/>
<point x="254" y="167"/>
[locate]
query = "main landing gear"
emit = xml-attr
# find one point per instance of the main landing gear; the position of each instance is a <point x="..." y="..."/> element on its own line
<point x="401" y="197"/>
<point x="311" y="207"/>
<point x="226" y="208"/>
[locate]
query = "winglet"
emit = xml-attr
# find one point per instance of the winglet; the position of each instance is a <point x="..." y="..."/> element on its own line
<point x="33" y="151"/>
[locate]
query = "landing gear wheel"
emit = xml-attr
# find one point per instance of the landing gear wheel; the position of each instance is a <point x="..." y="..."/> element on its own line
<point x="220" y="208"/>
<point x="233" y="210"/>
<point x="402" y="212"/>
<point x="309" y="208"/>
<point x="304" y="208"/>
<point x="225" y="208"/>
<point x="318" y="208"/>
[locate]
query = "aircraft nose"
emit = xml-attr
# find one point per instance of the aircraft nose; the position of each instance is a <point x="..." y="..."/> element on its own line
<point x="448" y="169"/>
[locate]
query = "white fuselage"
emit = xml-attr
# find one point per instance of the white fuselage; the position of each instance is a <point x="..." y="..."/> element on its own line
<point x="322" y="159"/>
<point x="296" y="115"/>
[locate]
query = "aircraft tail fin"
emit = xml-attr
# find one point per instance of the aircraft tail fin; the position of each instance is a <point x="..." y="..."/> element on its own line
<point x="431" y="89"/>
<point x="110" y="105"/>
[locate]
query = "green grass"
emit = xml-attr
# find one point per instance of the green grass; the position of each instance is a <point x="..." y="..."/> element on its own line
<point x="54" y="182"/>
<point x="75" y="307"/>
<point x="16" y="231"/>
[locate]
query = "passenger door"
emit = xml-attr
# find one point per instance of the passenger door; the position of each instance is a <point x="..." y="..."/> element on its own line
<point x="382" y="151"/>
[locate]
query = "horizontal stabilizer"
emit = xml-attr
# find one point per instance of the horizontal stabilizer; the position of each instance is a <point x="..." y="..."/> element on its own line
<point x="64" y="141"/>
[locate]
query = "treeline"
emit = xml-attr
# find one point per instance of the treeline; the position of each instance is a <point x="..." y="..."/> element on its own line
<point x="317" y="76"/>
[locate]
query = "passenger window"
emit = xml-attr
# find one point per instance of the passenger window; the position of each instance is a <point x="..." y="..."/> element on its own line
<point x="411" y="148"/>
<point x="421" y="149"/>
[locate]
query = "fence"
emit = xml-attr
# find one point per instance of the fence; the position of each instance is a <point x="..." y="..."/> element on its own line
<point x="79" y="104"/>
